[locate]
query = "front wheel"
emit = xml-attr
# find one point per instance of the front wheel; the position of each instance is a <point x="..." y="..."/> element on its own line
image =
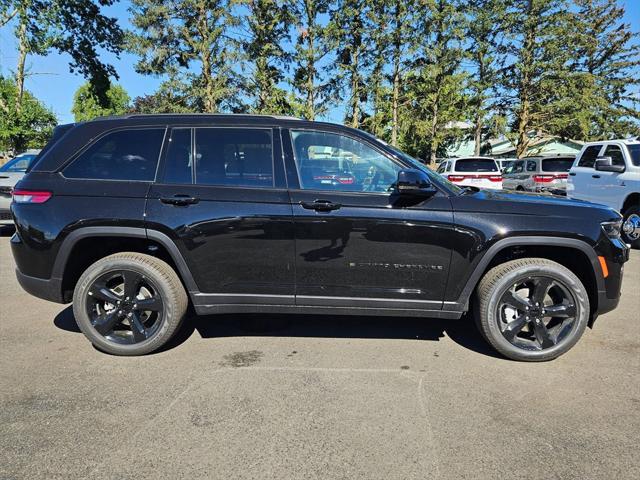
<point x="129" y="303"/>
<point x="532" y="309"/>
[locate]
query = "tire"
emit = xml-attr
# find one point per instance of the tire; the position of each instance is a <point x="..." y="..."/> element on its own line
<point x="500" y="322"/>
<point x="633" y="212"/>
<point x="100" y="301"/>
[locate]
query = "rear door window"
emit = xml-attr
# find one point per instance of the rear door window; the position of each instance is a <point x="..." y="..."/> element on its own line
<point x="120" y="155"/>
<point x="234" y="157"/>
<point x="531" y="166"/>
<point x="588" y="157"/>
<point x="476" y="165"/>
<point x="615" y="152"/>
<point x="557" y="164"/>
<point x="634" y="151"/>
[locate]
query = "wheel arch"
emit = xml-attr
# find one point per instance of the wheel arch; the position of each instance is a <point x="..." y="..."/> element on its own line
<point x="632" y="199"/>
<point x="74" y="257"/>
<point x="585" y="264"/>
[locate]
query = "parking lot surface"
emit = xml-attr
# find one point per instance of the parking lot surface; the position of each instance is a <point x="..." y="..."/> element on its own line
<point x="279" y="397"/>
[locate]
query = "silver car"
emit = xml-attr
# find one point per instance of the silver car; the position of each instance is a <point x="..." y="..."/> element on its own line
<point x="546" y="174"/>
<point x="10" y="173"/>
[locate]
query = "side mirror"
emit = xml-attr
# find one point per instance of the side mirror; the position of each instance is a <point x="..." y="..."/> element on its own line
<point x="414" y="183"/>
<point x="605" y="164"/>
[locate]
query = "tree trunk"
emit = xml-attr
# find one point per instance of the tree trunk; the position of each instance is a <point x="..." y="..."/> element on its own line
<point x="397" y="54"/>
<point x="525" y="84"/>
<point x="355" y="91"/>
<point x="311" y="68"/>
<point x="23" y="50"/>
<point x="433" y="148"/>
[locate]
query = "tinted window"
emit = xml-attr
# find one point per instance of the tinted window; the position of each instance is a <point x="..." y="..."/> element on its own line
<point x="476" y="165"/>
<point x="442" y="167"/>
<point x="328" y="161"/>
<point x="121" y="155"/>
<point x="588" y="157"/>
<point x="518" y="167"/>
<point x="531" y="166"/>
<point x="634" y="151"/>
<point x="615" y="152"/>
<point x="178" y="160"/>
<point x="557" y="164"/>
<point x="234" y="156"/>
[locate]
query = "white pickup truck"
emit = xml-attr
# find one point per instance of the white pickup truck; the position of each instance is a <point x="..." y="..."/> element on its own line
<point x="608" y="172"/>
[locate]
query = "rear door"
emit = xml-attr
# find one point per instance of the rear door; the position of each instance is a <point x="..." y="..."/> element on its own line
<point x="221" y="197"/>
<point x="581" y="177"/>
<point x="355" y="245"/>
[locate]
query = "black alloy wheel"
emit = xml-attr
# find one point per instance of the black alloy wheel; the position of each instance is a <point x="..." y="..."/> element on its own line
<point x="124" y="306"/>
<point x="537" y="313"/>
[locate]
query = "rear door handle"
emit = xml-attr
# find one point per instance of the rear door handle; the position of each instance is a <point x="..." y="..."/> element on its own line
<point x="180" y="200"/>
<point x="595" y="176"/>
<point x="573" y="174"/>
<point x="320" y="205"/>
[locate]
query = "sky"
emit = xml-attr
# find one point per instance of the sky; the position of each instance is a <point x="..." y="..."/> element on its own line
<point x="51" y="82"/>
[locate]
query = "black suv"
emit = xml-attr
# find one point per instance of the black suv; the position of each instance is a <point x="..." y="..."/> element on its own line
<point x="134" y="218"/>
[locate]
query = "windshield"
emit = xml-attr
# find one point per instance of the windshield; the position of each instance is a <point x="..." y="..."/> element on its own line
<point x="18" y="164"/>
<point x="634" y="151"/>
<point x="476" y="165"/>
<point x="557" y="165"/>
<point x="435" y="178"/>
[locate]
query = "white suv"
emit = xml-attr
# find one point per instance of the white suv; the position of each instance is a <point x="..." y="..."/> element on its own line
<point x="608" y="172"/>
<point x="481" y="172"/>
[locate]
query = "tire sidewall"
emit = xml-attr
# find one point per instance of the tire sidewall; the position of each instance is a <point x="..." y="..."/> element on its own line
<point x="80" y="298"/>
<point x="559" y="273"/>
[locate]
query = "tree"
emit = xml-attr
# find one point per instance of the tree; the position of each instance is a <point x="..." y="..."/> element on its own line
<point x="86" y="105"/>
<point x="267" y="23"/>
<point x="435" y="99"/>
<point x="312" y="48"/>
<point x="188" y="41"/>
<point x="73" y="27"/>
<point x="348" y="30"/>
<point x="172" y="96"/>
<point x="606" y="63"/>
<point x="28" y="127"/>
<point x="484" y="33"/>
<point x="539" y="46"/>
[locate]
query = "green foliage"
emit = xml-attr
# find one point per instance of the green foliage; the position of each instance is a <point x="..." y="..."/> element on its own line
<point x="188" y="42"/>
<point x="172" y="97"/>
<point x="266" y="60"/>
<point x="87" y="106"/>
<point x="27" y="127"/>
<point x="77" y="28"/>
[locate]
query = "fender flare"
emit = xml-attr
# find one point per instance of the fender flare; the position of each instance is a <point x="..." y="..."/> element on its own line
<point x="462" y="303"/>
<point x="132" y="232"/>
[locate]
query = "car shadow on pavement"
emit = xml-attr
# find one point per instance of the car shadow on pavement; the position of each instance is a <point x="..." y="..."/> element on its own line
<point x="7" y="230"/>
<point x="462" y="332"/>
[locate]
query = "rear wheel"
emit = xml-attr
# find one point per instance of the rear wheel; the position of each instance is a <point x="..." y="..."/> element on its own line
<point x="631" y="226"/>
<point x="532" y="309"/>
<point x="129" y="303"/>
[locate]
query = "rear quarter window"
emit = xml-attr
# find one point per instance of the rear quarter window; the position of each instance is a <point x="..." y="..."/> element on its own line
<point x="634" y="151"/>
<point x="120" y="155"/>
<point x="476" y="165"/>
<point x="557" y="164"/>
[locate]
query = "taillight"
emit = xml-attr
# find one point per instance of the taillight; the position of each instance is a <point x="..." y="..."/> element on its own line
<point x="456" y="178"/>
<point x="543" y="178"/>
<point x="495" y="178"/>
<point x="345" y="180"/>
<point x="30" y="196"/>
<point x="562" y="176"/>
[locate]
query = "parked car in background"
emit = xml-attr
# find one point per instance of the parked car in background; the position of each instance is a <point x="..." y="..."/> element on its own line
<point x="609" y="173"/>
<point x="544" y="174"/>
<point x="504" y="163"/>
<point x="10" y="173"/>
<point x="481" y="172"/>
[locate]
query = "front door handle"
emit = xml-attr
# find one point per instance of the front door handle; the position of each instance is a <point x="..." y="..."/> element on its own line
<point x="595" y="176"/>
<point x="573" y="174"/>
<point x="180" y="200"/>
<point x="320" y="205"/>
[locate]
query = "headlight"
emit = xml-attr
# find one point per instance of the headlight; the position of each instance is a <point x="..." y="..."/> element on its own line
<point x="612" y="229"/>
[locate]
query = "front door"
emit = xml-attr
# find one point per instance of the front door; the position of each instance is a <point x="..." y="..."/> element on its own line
<point x="355" y="246"/>
<point x="221" y="198"/>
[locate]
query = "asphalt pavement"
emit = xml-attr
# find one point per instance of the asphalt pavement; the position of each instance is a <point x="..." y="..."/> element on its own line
<point x="301" y="397"/>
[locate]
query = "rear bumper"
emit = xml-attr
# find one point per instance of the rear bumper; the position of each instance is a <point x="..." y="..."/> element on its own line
<point x="46" y="288"/>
